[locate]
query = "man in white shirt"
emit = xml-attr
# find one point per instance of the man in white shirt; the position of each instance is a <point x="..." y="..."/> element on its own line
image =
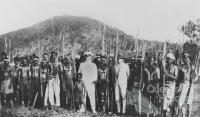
<point x="122" y="75"/>
<point x="89" y="76"/>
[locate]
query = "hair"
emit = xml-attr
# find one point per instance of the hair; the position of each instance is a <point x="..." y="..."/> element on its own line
<point x="45" y="54"/>
<point x="79" y="74"/>
<point x="53" y="52"/>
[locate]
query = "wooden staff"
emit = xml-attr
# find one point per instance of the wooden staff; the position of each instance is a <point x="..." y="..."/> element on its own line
<point x="141" y="76"/>
<point x="9" y="51"/>
<point x="163" y="57"/>
<point x="39" y="53"/>
<point x="117" y="48"/>
<point x="6" y="45"/>
<point x="63" y="43"/>
<point x="110" y="46"/>
<point x="125" y="45"/>
<point x="103" y="41"/>
<point x="35" y="100"/>
<point x="52" y="20"/>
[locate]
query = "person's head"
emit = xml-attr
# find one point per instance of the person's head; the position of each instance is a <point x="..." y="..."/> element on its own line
<point x="69" y="60"/>
<point x="36" y="60"/>
<point x="88" y="56"/>
<point x="170" y="58"/>
<point x="79" y="76"/>
<point x="60" y="58"/>
<point x="25" y="61"/>
<point x="177" y="54"/>
<point x="53" y="56"/>
<point x="17" y="61"/>
<point x="160" y="54"/>
<point x="6" y="61"/>
<point x="121" y="60"/>
<point x="45" y="57"/>
<point x="151" y="61"/>
<point x="186" y="58"/>
<point x="103" y="60"/>
<point x="3" y="56"/>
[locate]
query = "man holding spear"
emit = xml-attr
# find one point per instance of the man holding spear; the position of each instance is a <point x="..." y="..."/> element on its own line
<point x="187" y="73"/>
<point x="35" y="78"/>
<point x="53" y="86"/>
<point x="44" y="70"/>
<point x="169" y="82"/>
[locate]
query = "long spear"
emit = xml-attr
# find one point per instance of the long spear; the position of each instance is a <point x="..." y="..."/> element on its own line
<point x="110" y="46"/>
<point x="117" y="48"/>
<point x="129" y="50"/>
<point x="39" y="42"/>
<point x="63" y="43"/>
<point x="9" y="49"/>
<point x="136" y="42"/>
<point x="52" y="20"/>
<point x="6" y="45"/>
<point x="125" y="45"/>
<point x="141" y="76"/>
<point x="163" y="57"/>
<point x="103" y="41"/>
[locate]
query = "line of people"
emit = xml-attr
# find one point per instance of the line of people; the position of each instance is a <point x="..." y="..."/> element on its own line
<point x="56" y="82"/>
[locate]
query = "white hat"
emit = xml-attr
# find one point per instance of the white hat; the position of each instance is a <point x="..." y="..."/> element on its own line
<point x="7" y="59"/>
<point x="112" y="55"/>
<point x="77" y="56"/>
<point x="170" y="55"/>
<point x="88" y="53"/>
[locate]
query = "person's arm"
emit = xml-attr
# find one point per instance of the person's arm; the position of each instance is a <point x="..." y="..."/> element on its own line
<point x="95" y="73"/>
<point x="29" y="72"/>
<point x="80" y="68"/>
<point x="128" y="71"/>
<point x="158" y="73"/>
<point x="175" y="74"/>
<point x="19" y="71"/>
<point x="148" y="74"/>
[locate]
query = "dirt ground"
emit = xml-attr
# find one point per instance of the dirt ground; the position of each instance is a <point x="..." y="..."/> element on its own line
<point x="196" y="102"/>
<point x="24" y="112"/>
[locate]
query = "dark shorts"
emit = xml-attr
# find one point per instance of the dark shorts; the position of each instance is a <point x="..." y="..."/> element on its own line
<point x="79" y="97"/>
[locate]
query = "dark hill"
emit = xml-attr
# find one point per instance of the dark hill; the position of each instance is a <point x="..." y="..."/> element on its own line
<point x="85" y="33"/>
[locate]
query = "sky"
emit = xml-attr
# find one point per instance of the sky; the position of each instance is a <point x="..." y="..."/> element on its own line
<point x="148" y="19"/>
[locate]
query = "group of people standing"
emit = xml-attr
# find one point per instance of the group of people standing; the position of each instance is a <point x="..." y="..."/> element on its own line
<point x="168" y="83"/>
<point x="56" y="82"/>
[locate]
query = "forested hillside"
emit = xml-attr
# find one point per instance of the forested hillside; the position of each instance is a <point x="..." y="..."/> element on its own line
<point x="84" y="33"/>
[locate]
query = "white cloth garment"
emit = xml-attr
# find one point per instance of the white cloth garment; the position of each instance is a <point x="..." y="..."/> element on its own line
<point x="89" y="75"/>
<point x="169" y="93"/>
<point x="183" y="94"/>
<point x="52" y="88"/>
<point x="122" y="71"/>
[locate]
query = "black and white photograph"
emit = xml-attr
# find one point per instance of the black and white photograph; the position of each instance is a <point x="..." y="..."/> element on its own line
<point x="99" y="58"/>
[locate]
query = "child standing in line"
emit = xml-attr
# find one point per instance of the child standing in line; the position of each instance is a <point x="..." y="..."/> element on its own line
<point x="80" y="94"/>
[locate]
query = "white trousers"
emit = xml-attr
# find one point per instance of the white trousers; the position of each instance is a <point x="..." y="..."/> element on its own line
<point x="169" y="93"/>
<point x="90" y="87"/>
<point x="183" y="95"/>
<point x="53" y="88"/>
<point x="120" y="91"/>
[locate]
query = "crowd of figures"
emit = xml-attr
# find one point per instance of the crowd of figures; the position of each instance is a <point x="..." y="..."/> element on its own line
<point x="98" y="83"/>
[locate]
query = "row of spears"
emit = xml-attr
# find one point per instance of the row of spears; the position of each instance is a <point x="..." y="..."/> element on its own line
<point x="158" y="83"/>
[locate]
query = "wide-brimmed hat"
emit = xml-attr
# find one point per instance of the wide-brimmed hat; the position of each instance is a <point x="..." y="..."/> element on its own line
<point x="171" y="56"/>
<point x="88" y="54"/>
<point x="120" y="57"/>
<point x="53" y="52"/>
<point x="6" y="59"/>
<point x="36" y="59"/>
